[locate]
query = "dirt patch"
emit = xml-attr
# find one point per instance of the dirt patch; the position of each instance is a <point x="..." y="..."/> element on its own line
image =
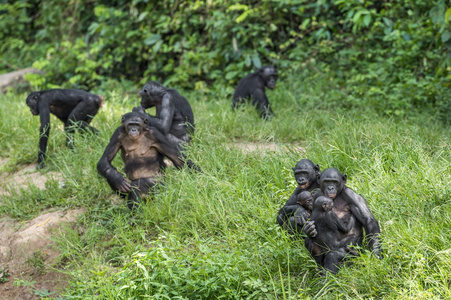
<point x="26" y="248"/>
<point x="250" y="147"/>
<point x="27" y="253"/>
<point x="26" y="175"/>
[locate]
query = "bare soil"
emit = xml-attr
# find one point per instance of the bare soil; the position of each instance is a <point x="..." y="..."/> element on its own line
<point x="27" y="251"/>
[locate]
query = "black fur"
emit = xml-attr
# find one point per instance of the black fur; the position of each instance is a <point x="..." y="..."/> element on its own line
<point x="253" y="87"/>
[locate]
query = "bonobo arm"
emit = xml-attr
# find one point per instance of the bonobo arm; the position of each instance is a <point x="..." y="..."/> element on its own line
<point x="163" y="146"/>
<point x="291" y="205"/>
<point x="261" y="101"/>
<point x="165" y="114"/>
<point x="44" y="130"/>
<point x="115" y="179"/>
<point x="360" y="210"/>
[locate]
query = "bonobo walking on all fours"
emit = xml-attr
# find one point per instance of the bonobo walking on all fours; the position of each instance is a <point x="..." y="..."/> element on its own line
<point x="253" y="86"/>
<point x="292" y="215"/>
<point x="347" y="202"/>
<point x="143" y="149"/>
<point x="328" y="247"/>
<point x="174" y="116"/>
<point x="75" y="108"/>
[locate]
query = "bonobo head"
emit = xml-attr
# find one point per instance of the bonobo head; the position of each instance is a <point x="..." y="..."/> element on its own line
<point x="306" y="173"/>
<point x="134" y="124"/>
<point x="323" y="203"/>
<point x="269" y="74"/>
<point x="332" y="182"/>
<point x="305" y="199"/>
<point x="151" y="94"/>
<point x="32" y="102"/>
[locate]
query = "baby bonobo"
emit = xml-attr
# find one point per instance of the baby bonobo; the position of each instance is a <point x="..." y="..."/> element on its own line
<point x="143" y="149"/>
<point x="329" y="246"/>
<point x="305" y="199"/>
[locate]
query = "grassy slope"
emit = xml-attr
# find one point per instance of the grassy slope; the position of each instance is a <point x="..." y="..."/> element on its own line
<point x="213" y="234"/>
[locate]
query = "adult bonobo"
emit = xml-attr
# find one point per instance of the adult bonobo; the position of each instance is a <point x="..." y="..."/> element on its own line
<point x="75" y="108"/>
<point x="174" y="116"/>
<point x="143" y="149"/>
<point x="346" y="202"/>
<point x="290" y="215"/>
<point x="253" y="87"/>
<point x="327" y="247"/>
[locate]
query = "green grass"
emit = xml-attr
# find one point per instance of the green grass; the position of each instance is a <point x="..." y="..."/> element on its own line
<point x="213" y="234"/>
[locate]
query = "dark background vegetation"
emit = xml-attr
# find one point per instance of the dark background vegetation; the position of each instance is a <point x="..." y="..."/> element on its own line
<point x="364" y="87"/>
<point x="394" y="54"/>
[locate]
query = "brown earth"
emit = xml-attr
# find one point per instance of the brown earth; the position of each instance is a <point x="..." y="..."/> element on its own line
<point x="27" y="252"/>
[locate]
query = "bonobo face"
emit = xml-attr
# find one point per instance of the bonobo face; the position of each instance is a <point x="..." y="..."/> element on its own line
<point x="305" y="199"/>
<point x="324" y="203"/>
<point x="270" y="75"/>
<point x="151" y="94"/>
<point x="133" y="124"/>
<point x="32" y="102"/>
<point x="332" y="182"/>
<point x="305" y="173"/>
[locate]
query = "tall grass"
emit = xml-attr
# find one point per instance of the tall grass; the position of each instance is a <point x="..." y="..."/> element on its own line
<point x="212" y="234"/>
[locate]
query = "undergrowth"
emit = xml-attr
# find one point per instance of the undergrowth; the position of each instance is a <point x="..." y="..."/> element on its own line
<point x="213" y="234"/>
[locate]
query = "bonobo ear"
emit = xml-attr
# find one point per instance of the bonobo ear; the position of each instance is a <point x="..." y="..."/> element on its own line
<point x="316" y="167"/>
<point x="293" y="169"/>
<point x="145" y="121"/>
<point x="123" y="119"/>
<point x="344" y="177"/>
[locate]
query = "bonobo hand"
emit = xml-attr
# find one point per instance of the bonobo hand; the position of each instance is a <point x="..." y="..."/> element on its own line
<point x="310" y="229"/>
<point x="118" y="182"/>
<point x="124" y="186"/>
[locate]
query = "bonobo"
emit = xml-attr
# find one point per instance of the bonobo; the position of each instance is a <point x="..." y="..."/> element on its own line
<point x="143" y="149"/>
<point x="327" y="247"/>
<point x="75" y="108"/>
<point x="347" y="202"/>
<point x="307" y="175"/>
<point x="253" y="87"/>
<point x="305" y="199"/>
<point x="174" y="116"/>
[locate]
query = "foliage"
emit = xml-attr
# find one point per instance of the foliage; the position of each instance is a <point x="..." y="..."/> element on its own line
<point x="213" y="234"/>
<point x="395" y="47"/>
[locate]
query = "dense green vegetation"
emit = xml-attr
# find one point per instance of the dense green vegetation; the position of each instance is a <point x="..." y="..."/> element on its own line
<point x="391" y="55"/>
<point x="364" y="87"/>
<point x="213" y="234"/>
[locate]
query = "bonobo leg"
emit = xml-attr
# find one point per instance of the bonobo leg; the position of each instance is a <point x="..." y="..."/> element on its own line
<point x="82" y="115"/>
<point x="139" y="188"/>
<point x="332" y="260"/>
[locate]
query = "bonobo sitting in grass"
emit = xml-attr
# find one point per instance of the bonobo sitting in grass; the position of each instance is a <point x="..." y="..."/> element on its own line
<point x="143" y="149"/>
<point x="346" y="203"/>
<point x="75" y="108"/>
<point x="174" y="117"/>
<point x="292" y="215"/>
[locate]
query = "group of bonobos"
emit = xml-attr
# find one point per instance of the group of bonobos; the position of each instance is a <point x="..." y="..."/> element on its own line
<point x="330" y="215"/>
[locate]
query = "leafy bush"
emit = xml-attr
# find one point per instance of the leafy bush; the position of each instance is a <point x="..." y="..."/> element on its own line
<point x="395" y="47"/>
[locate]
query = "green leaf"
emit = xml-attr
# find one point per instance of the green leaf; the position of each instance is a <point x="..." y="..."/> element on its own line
<point x="152" y="39"/>
<point x="256" y="61"/>
<point x="446" y="36"/>
<point x="367" y="20"/>
<point x="448" y="15"/>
